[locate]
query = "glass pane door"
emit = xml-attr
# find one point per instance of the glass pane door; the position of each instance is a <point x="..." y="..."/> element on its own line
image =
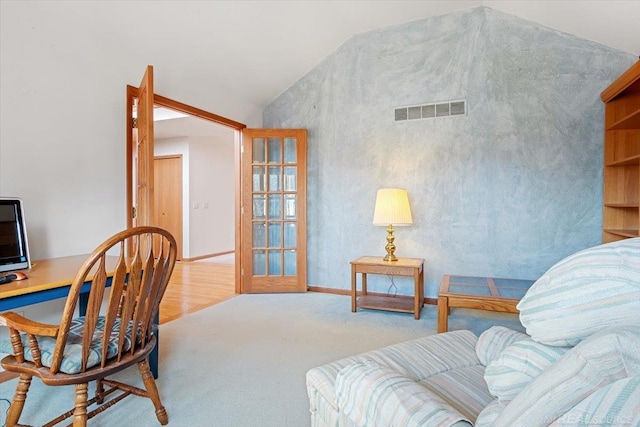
<point x="274" y="258"/>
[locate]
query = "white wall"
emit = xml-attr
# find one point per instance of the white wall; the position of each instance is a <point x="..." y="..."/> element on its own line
<point x="212" y="195"/>
<point x="62" y="119"/>
<point x="208" y="192"/>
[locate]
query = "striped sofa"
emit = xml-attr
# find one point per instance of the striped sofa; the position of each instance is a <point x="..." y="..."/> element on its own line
<point x="578" y="365"/>
<point x="438" y="368"/>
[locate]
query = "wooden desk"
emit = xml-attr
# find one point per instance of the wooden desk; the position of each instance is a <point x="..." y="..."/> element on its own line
<point x="413" y="267"/>
<point x="50" y="279"/>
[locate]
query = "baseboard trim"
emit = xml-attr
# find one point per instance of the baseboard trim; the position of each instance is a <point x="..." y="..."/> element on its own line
<point x="196" y="258"/>
<point x="430" y="301"/>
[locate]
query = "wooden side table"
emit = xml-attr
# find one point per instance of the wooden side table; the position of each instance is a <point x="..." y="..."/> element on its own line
<point x="413" y="267"/>
<point x="479" y="293"/>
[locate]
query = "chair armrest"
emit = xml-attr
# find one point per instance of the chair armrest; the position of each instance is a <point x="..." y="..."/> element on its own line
<point x="20" y="323"/>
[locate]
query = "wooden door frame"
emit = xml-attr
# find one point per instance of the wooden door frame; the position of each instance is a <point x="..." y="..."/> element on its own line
<point x="132" y="93"/>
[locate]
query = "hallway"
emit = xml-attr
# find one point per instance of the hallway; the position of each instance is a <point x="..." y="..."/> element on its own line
<point x="196" y="285"/>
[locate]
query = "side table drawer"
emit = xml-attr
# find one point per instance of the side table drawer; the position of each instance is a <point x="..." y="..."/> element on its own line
<point x="384" y="269"/>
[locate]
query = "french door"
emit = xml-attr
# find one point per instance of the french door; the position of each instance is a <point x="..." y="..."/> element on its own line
<point x="273" y="213"/>
<point x="144" y="151"/>
<point x="271" y="184"/>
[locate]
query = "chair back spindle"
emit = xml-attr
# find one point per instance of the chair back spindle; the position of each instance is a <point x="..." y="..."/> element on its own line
<point x="133" y="294"/>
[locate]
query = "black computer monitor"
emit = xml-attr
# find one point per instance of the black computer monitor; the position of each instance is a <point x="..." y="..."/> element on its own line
<point x="14" y="249"/>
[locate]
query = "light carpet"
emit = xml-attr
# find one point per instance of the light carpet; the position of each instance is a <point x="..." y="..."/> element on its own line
<point x="243" y="362"/>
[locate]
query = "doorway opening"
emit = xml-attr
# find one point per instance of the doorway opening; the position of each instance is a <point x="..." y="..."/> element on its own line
<point x="224" y="126"/>
<point x="194" y="192"/>
<point x="270" y="184"/>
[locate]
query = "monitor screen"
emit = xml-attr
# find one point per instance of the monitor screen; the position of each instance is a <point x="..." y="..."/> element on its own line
<point x="14" y="250"/>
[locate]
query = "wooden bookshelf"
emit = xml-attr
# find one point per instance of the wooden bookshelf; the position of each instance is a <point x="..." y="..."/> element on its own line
<point x="621" y="175"/>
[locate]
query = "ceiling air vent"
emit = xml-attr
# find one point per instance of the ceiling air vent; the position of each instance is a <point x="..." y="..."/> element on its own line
<point x="401" y="114"/>
<point x="442" y="110"/>
<point x="430" y="111"/>
<point x="458" y="108"/>
<point x="415" y="113"/>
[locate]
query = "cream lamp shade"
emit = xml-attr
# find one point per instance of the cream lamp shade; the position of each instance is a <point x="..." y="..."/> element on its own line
<point x="392" y="208"/>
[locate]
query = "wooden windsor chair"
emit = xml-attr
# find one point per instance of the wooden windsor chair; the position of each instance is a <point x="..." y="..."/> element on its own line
<point x="116" y="332"/>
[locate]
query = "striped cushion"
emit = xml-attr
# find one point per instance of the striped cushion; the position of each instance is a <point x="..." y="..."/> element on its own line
<point x="374" y="395"/>
<point x="615" y="404"/>
<point x="487" y="417"/>
<point x="463" y="388"/>
<point x="415" y="359"/>
<point x="72" y="356"/>
<point x="599" y="360"/>
<point x="518" y="365"/>
<point x="495" y="339"/>
<point x="586" y="292"/>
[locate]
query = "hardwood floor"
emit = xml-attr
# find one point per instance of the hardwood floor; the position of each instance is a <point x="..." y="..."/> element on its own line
<point x="194" y="286"/>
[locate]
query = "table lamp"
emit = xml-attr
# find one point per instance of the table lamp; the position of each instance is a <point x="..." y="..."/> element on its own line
<point x="392" y="208"/>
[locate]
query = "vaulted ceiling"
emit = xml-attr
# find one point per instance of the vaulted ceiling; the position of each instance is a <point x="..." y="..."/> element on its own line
<point x="260" y="48"/>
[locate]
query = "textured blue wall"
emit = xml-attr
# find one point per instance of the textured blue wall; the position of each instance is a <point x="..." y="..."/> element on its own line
<point x="507" y="190"/>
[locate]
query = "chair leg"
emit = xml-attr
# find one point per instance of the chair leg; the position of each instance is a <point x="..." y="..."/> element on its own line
<point x="18" y="399"/>
<point x="152" y="391"/>
<point x="80" y="411"/>
<point x="99" y="392"/>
